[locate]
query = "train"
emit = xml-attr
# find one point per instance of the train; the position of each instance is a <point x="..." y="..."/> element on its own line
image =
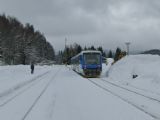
<point x="87" y="63"/>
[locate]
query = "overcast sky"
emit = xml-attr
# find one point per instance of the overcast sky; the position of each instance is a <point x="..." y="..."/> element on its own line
<point x="107" y="23"/>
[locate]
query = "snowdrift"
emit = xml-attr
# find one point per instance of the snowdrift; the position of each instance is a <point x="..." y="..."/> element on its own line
<point x="106" y="67"/>
<point x="147" y="68"/>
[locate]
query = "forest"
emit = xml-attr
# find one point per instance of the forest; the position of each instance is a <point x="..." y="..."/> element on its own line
<point x="22" y="44"/>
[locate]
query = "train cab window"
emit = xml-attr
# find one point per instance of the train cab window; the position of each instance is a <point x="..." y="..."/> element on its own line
<point x="92" y="58"/>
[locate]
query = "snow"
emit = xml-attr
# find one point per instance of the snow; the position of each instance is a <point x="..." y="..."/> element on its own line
<point x="58" y="93"/>
<point x="145" y="66"/>
<point x="106" y="67"/>
<point x="14" y="76"/>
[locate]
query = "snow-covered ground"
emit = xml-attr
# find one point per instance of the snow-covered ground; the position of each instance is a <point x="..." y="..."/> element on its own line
<point x="57" y="93"/>
<point x="147" y="67"/>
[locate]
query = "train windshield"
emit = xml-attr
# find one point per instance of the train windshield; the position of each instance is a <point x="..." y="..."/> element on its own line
<point x="92" y="58"/>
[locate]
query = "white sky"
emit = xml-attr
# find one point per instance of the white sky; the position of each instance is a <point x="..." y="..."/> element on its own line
<point x="107" y="23"/>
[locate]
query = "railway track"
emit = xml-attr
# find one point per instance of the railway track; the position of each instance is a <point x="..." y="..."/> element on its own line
<point x="138" y="93"/>
<point x="146" y="104"/>
<point x="144" y="90"/>
<point x="19" y="89"/>
<point x="39" y="96"/>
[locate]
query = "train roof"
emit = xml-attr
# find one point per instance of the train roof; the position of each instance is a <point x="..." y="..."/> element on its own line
<point x="90" y="51"/>
<point x="86" y="51"/>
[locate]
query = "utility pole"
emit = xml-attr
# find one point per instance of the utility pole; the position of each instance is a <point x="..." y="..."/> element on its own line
<point x="127" y="45"/>
<point x="65" y="43"/>
<point x="65" y="51"/>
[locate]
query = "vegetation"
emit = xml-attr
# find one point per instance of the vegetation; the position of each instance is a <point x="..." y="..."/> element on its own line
<point x="110" y="54"/>
<point x="72" y="50"/>
<point x="119" y="54"/>
<point x="152" y="52"/>
<point x="21" y="44"/>
<point x="63" y="57"/>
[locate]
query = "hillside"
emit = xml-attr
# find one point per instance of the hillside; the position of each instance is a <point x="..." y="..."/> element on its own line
<point x="153" y="52"/>
<point x="22" y="44"/>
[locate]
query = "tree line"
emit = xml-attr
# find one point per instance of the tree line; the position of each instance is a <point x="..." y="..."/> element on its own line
<point x="21" y="44"/>
<point x="65" y="56"/>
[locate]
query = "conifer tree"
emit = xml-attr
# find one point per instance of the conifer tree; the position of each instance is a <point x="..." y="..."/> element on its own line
<point x="117" y="54"/>
<point x="110" y="55"/>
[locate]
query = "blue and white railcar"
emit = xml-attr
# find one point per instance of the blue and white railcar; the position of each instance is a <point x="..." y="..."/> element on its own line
<point x="88" y="63"/>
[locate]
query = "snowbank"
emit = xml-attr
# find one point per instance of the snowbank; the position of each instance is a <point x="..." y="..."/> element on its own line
<point x="106" y="67"/>
<point x="145" y="66"/>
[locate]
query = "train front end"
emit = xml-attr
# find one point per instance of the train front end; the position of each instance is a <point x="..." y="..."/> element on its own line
<point x="92" y="64"/>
